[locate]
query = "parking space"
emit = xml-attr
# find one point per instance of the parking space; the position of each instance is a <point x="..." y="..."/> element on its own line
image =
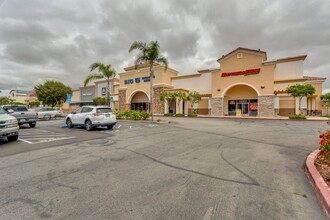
<point x="35" y="136"/>
<point x="120" y="126"/>
<point x="197" y="168"/>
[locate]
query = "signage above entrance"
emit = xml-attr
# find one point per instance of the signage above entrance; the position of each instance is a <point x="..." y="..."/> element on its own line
<point x="244" y="72"/>
<point x="137" y="80"/>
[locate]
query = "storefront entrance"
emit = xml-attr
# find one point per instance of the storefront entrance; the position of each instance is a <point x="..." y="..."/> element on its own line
<point x="247" y="107"/>
<point x="140" y="102"/>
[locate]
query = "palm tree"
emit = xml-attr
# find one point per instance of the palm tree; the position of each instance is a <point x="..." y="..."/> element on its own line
<point x="168" y="97"/>
<point x="150" y="54"/>
<point x="194" y="97"/>
<point x="105" y="72"/>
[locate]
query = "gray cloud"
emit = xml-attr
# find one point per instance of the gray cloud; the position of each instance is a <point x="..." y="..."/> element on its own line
<point x="42" y="40"/>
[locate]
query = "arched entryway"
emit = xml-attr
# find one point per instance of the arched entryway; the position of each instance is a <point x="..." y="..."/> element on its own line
<point x="139" y="101"/>
<point x="240" y="98"/>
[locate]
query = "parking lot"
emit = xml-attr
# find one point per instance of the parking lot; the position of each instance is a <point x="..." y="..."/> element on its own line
<point x="188" y="169"/>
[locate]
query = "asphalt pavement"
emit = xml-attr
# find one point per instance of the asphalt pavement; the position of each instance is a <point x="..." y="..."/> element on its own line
<point x="188" y="169"/>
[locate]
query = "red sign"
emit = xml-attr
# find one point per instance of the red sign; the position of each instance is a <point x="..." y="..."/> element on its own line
<point x="253" y="106"/>
<point x="244" y="72"/>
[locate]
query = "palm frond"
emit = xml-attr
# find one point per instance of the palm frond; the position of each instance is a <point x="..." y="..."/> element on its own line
<point x="96" y="65"/>
<point x="92" y="77"/>
<point x="109" y="72"/>
<point x="137" y="45"/>
<point x="162" y="60"/>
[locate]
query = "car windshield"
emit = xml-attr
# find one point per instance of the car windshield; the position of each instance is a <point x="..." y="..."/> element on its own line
<point x="16" y="108"/>
<point x="103" y="110"/>
<point x="2" y="111"/>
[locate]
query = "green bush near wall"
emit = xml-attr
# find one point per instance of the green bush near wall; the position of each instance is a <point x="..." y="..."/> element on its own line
<point x="132" y="115"/>
<point x="300" y="117"/>
<point x="179" y="115"/>
<point x="192" y="115"/>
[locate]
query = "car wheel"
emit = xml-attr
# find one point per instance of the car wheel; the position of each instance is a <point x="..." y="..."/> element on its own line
<point x="32" y="124"/>
<point x="88" y="125"/>
<point x="69" y="123"/>
<point x="47" y="117"/>
<point x="110" y="126"/>
<point x="12" y="138"/>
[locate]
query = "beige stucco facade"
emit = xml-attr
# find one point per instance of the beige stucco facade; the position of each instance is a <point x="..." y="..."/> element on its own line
<point x="243" y="83"/>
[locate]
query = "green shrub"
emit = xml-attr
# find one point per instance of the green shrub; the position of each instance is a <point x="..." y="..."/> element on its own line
<point x="303" y="117"/>
<point x="135" y="115"/>
<point x="327" y="116"/>
<point x="120" y="114"/>
<point x="132" y="115"/>
<point x="144" y="115"/>
<point x="159" y="120"/>
<point x="179" y="115"/>
<point x="192" y="115"/>
<point x="168" y="114"/>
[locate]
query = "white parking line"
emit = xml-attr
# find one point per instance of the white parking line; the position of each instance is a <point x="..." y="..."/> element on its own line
<point x="25" y="141"/>
<point x="36" y="136"/>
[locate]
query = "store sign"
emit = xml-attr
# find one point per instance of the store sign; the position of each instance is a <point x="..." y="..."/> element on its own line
<point x="253" y="106"/>
<point x="87" y="94"/>
<point x="104" y="91"/>
<point x="137" y="80"/>
<point x="244" y="72"/>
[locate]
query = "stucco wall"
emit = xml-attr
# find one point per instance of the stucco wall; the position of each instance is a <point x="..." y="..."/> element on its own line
<point x="161" y="77"/>
<point x="289" y="70"/>
<point x="265" y="78"/>
<point x="201" y="84"/>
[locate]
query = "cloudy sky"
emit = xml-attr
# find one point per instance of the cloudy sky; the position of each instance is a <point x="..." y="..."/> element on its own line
<point x="59" y="39"/>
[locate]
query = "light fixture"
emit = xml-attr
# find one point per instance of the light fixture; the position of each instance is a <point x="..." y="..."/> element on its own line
<point x="219" y="90"/>
<point x="262" y="86"/>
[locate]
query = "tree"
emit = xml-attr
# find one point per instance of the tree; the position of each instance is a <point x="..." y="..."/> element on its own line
<point x="194" y="98"/>
<point x="326" y="99"/>
<point x="105" y="72"/>
<point x="169" y="97"/>
<point x="52" y="93"/>
<point x="179" y="96"/>
<point x="99" y="101"/>
<point x="34" y="103"/>
<point x="300" y="91"/>
<point x="150" y="54"/>
<point x="5" y="101"/>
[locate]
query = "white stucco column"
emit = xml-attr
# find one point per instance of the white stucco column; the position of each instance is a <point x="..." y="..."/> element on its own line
<point x="180" y="106"/>
<point x="297" y="106"/>
<point x="304" y="103"/>
<point x="186" y="107"/>
<point x="166" y="107"/>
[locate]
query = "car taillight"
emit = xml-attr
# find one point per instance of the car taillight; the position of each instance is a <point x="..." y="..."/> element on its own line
<point x="37" y="114"/>
<point x="97" y="114"/>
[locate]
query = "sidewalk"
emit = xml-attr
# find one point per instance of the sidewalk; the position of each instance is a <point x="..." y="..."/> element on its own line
<point x="309" y="118"/>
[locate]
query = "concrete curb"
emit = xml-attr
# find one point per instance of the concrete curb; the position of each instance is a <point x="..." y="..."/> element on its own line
<point x="248" y="118"/>
<point x="321" y="189"/>
<point x="144" y="121"/>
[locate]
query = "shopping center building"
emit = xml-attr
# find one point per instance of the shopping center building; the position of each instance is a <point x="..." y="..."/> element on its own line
<point x="245" y="81"/>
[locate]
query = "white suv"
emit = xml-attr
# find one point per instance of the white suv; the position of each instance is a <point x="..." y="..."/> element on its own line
<point x="8" y="125"/>
<point x="91" y="117"/>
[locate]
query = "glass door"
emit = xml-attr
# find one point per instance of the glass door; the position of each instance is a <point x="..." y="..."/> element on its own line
<point x="244" y="107"/>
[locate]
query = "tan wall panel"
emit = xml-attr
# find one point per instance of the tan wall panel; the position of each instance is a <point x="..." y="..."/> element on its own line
<point x="249" y="61"/>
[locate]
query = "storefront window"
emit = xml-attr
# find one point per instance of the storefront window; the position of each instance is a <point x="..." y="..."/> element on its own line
<point x="247" y="107"/>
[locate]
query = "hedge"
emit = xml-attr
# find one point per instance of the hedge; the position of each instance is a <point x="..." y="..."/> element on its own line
<point x="302" y="117"/>
<point x="132" y="115"/>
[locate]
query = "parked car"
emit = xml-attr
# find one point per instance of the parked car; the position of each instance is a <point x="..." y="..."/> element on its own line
<point x="47" y="113"/>
<point x="22" y="114"/>
<point x="8" y="126"/>
<point x="90" y="117"/>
